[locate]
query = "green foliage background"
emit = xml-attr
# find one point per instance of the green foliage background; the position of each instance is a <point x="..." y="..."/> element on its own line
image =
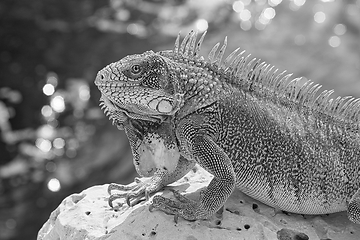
<point x="64" y="44"/>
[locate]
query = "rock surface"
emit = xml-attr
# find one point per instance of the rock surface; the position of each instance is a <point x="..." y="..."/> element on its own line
<point x="87" y="216"/>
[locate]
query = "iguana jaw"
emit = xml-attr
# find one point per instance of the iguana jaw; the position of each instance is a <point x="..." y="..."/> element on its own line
<point x="119" y="110"/>
<point x="115" y="114"/>
<point x="120" y="114"/>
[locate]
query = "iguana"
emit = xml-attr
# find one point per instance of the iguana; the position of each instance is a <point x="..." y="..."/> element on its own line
<point x="278" y="140"/>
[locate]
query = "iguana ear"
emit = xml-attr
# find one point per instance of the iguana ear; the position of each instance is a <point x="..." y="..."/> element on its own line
<point x="155" y="74"/>
<point x="149" y="70"/>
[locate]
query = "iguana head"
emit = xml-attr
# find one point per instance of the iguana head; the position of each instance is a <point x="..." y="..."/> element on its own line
<point x="152" y="86"/>
<point x="141" y="86"/>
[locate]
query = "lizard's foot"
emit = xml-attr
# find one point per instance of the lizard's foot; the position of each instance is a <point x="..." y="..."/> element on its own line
<point x="184" y="207"/>
<point x="354" y="208"/>
<point x="133" y="193"/>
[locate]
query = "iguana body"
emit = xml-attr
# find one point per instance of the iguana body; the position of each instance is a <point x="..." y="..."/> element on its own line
<point x="240" y="120"/>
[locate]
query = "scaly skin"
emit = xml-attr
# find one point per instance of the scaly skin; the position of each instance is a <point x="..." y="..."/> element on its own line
<point x="250" y="127"/>
<point x="156" y="158"/>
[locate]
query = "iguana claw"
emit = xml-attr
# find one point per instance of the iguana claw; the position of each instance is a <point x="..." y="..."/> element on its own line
<point x="132" y="193"/>
<point x="183" y="207"/>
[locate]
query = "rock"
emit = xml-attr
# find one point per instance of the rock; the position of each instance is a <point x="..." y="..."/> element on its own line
<point x="288" y="234"/>
<point x="87" y="216"/>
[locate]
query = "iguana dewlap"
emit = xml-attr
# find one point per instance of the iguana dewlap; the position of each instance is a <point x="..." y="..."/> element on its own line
<point x="278" y="140"/>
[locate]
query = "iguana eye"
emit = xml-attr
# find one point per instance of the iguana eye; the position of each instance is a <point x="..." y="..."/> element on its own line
<point x="135" y="69"/>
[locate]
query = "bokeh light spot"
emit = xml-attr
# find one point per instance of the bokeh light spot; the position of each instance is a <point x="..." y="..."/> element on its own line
<point x="269" y="13"/>
<point x="52" y="79"/>
<point x="54" y="185"/>
<point x="50" y="166"/>
<point x="43" y="144"/>
<point x="245" y="15"/>
<point x="319" y="17"/>
<point x="245" y="25"/>
<point x="246" y="2"/>
<point x="59" y="143"/>
<point x="84" y="93"/>
<point x="274" y="3"/>
<point x="48" y="89"/>
<point x="202" y="25"/>
<point x="334" y="41"/>
<point x="46" y="131"/>
<point x="132" y="29"/>
<point x="58" y="104"/>
<point x="340" y="29"/>
<point x="238" y="6"/>
<point x="46" y="111"/>
<point x="70" y="153"/>
<point x="10" y="223"/>
<point x="299" y="2"/>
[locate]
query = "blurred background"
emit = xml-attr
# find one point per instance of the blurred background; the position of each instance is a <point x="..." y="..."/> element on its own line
<point x="55" y="141"/>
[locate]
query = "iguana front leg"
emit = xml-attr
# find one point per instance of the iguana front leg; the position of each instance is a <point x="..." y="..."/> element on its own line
<point x="143" y="187"/>
<point x="156" y="158"/>
<point x="197" y="142"/>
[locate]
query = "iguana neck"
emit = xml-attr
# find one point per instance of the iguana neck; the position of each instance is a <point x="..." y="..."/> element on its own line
<point x="197" y="81"/>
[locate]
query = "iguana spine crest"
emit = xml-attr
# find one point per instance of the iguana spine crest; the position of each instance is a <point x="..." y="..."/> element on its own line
<point x="267" y="82"/>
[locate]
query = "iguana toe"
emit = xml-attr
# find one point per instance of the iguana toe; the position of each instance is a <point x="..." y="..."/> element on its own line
<point x="184" y="207"/>
<point x="114" y="197"/>
<point x="119" y="187"/>
<point x="132" y="193"/>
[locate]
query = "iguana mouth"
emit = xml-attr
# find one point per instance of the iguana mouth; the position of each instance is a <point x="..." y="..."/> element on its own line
<point x="111" y="105"/>
<point x="118" y="113"/>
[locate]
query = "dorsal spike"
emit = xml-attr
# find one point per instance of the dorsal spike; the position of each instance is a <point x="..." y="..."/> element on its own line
<point x="242" y="69"/>
<point x="355" y="111"/>
<point x="221" y="53"/>
<point x="274" y="81"/>
<point x="184" y="42"/>
<point x="298" y="89"/>
<point x="345" y="106"/>
<point x="331" y="107"/>
<point x="212" y="52"/>
<point x="266" y="75"/>
<point x="351" y="108"/>
<point x="198" y="45"/>
<point x="229" y="59"/>
<point x="338" y="106"/>
<point x="235" y="64"/>
<point x="323" y="99"/>
<point x="246" y="70"/>
<point x="310" y="98"/>
<point x="255" y="79"/>
<point x="319" y="98"/>
<point x="188" y="46"/>
<point x="254" y="67"/>
<point x="304" y="91"/>
<point x="291" y="88"/>
<point x="177" y="44"/>
<point x="271" y="78"/>
<point x="257" y="70"/>
<point x="282" y="83"/>
<point x="193" y="43"/>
